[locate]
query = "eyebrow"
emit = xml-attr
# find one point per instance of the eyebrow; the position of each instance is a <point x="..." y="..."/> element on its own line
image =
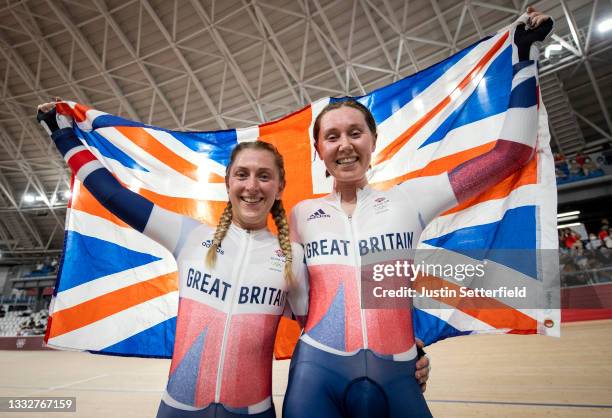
<point x="351" y="126"/>
<point x="242" y="167"/>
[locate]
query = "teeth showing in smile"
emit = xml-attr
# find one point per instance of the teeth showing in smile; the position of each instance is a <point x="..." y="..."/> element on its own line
<point x="251" y="199"/>
<point x="347" y="160"/>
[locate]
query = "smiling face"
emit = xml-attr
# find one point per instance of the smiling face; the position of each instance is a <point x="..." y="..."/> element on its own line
<point x="345" y="143"/>
<point x="253" y="184"/>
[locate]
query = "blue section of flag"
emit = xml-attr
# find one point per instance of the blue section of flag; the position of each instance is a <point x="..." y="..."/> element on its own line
<point x="107" y="149"/>
<point x="105" y="121"/>
<point x="429" y="328"/>
<point x="157" y="341"/>
<point x="387" y="100"/>
<point x="520" y="65"/>
<point x="510" y="241"/>
<point x="490" y="98"/>
<point x="522" y="95"/>
<point x="82" y="254"/>
<point x="217" y="144"/>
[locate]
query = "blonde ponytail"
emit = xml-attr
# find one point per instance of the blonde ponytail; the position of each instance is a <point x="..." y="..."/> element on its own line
<point x="280" y="219"/>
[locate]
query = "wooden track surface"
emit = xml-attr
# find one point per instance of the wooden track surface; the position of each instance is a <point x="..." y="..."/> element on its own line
<point x="478" y="376"/>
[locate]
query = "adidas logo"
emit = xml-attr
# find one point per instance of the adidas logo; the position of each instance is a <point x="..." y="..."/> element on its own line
<point x="318" y="214"/>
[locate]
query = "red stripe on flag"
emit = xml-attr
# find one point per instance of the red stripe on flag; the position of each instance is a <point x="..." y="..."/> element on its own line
<point x="79" y="159"/>
<point x="96" y="309"/>
<point x="215" y="178"/>
<point x="488" y="310"/>
<point x="390" y="150"/>
<point x="208" y="211"/>
<point x="78" y="113"/>
<point x="84" y="201"/>
<point x="150" y="144"/>
<point x="290" y="136"/>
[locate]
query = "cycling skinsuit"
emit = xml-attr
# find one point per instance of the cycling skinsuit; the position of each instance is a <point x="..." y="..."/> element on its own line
<point x="227" y="316"/>
<point x="346" y="350"/>
<point x="356" y="362"/>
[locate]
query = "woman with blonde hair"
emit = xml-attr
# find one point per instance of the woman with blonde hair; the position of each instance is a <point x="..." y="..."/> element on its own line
<point x="232" y="290"/>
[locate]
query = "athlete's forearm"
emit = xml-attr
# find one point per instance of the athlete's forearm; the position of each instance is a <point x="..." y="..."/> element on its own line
<point x="128" y="206"/>
<point x="515" y="145"/>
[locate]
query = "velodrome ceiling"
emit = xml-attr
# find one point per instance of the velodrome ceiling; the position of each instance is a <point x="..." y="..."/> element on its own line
<point x="207" y="65"/>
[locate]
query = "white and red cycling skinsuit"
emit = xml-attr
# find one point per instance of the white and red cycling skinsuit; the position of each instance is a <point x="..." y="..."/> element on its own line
<point x="228" y="315"/>
<point x="358" y="362"/>
<point x="335" y="244"/>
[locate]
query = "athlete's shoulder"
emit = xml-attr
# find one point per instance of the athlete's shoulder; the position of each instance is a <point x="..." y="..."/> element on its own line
<point x="193" y="226"/>
<point x="310" y="202"/>
<point x="305" y="205"/>
<point x="308" y="208"/>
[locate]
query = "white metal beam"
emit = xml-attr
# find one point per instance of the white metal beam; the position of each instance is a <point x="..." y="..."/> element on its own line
<point x="335" y="42"/>
<point x="196" y="82"/>
<point x="47" y="50"/>
<point x="102" y="8"/>
<point x="474" y="18"/>
<point x="572" y="26"/>
<point x="600" y="99"/>
<point x="595" y="127"/>
<point x="587" y="43"/>
<point x="87" y="49"/>
<point x="247" y="91"/>
<point x="275" y="47"/>
<point x="442" y="20"/>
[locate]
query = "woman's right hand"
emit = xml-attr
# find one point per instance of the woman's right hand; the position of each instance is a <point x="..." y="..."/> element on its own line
<point x="46" y="107"/>
<point x="48" y="117"/>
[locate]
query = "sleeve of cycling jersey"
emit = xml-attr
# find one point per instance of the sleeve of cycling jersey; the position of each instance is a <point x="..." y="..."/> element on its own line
<point x="515" y="145"/>
<point x="166" y="227"/>
<point x="431" y="195"/>
<point x="514" y="148"/>
<point x="298" y="292"/>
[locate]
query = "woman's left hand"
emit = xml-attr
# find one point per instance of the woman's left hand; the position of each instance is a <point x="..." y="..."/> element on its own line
<point x="422" y="368"/>
<point x="535" y="18"/>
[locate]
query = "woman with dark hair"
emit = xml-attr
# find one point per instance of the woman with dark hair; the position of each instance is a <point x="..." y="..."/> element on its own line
<point x="356" y="362"/>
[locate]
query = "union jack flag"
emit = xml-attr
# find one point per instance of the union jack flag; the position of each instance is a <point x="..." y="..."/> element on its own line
<point x="117" y="289"/>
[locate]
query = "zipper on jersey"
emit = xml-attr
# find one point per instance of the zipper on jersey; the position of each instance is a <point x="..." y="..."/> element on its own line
<point x="240" y="270"/>
<point x="357" y="257"/>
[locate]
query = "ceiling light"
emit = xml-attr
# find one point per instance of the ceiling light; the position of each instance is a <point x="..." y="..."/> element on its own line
<point x="564" y="214"/>
<point x="28" y="198"/>
<point x="67" y="194"/>
<point x="568" y="218"/>
<point x="568" y="225"/>
<point x="552" y="48"/>
<point x="605" y="25"/>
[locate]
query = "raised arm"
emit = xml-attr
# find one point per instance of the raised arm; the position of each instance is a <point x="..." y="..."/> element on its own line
<point x="165" y="227"/>
<point x="517" y="141"/>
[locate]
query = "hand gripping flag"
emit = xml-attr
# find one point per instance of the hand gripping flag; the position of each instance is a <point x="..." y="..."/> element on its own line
<point x="117" y="289"/>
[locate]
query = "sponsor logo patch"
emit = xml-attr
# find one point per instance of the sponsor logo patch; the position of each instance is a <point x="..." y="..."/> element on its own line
<point x="318" y="214"/>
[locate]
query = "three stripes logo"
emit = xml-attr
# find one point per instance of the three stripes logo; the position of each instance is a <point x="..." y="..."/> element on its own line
<point x="318" y="214"/>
